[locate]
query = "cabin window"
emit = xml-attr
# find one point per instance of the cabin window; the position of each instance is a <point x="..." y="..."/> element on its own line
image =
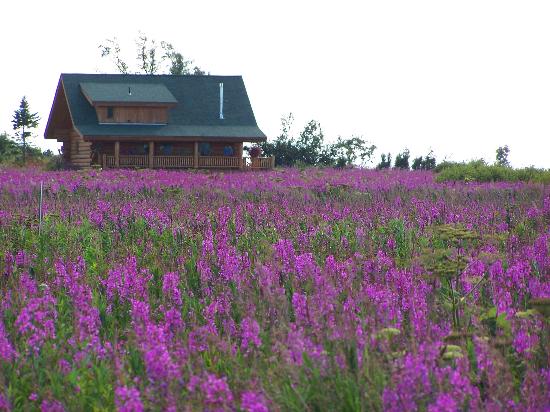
<point x="228" y="150"/>
<point x="205" y="149"/>
<point x="110" y="112"/>
<point x="166" y="149"/>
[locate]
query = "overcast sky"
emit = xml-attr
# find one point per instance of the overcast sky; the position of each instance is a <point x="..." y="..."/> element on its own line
<point x="459" y="77"/>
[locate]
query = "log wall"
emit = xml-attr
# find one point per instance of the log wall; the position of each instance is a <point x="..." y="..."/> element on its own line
<point x="122" y="114"/>
<point x="80" y="152"/>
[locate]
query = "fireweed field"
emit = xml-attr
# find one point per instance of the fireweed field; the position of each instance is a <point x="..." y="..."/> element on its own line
<point x="309" y="290"/>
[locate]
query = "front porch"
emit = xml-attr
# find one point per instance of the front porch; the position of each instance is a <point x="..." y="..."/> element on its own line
<point x="170" y="155"/>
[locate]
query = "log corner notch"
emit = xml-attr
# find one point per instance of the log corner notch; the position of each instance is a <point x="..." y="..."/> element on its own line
<point x="80" y="151"/>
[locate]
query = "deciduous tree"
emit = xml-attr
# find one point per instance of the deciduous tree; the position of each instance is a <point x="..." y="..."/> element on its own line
<point x="502" y="156"/>
<point x="153" y="57"/>
<point x="402" y="160"/>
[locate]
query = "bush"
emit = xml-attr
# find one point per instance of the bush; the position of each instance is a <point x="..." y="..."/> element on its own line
<point x="479" y="171"/>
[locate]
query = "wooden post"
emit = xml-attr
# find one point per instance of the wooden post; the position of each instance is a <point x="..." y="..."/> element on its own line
<point x="196" y="155"/>
<point x="273" y="162"/>
<point x="104" y="161"/>
<point x="117" y="154"/>
<point x="151" y="154"/>
<point x="240" y="154"/>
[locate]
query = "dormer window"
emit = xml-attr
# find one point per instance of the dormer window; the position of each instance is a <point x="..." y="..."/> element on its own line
<point x="110" y="112"/>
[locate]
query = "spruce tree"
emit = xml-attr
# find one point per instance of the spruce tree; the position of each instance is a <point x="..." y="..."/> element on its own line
<point x="24" y="119"/>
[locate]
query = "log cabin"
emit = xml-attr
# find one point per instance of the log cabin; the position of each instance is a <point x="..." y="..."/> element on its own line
<point x="154" y="121"/>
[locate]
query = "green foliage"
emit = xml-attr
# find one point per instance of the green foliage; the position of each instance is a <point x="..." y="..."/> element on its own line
<point x="310" y="143"/>
<point x="446" y="260"/>
<point x="11" y="153"/>
<point x="111" y="48"/>
<point x="385" y="162"/>
<point x="310" y="149"/>
<point x="479" y="171"/>
<point x="348" y="151"/>
<point x="402" y="160"/>
<point x="8" y="147"/>
<point x="502" y="156"/>
<point x="147" y="54"/>
<point x="153" y="57"/>
<point x="23" y="119"/>
<point x="424" y="163"/>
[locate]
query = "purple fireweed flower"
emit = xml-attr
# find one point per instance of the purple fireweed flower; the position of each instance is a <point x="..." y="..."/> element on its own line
<point x="229" y="262"/>
<point x="127" y="399"/>
<point x="501" y="295"/>
<point x="36" y="321"/>
<point x="170" y="288"/>
<point x="127" y="282"/>
<point x="306" y="267"/>
<point x="444" y="403"/>
<point x="27" y="285"/>
<point x="173" y="321"/>
<point x="158" y="362"/>
<point x="297" y="344"/>
<point x="9" y="262"/>
<point x="410" y="383"/>
<point x="216" y="392"/>
<point x="253" y="402"/>
<point x="51" y="406"/>
<point x="526" y="335"/>
<point x="96" y="217"/>
<point x="153" y="345"/>
<point x="250" y="334"/>
<point x="200" y="337"/>
<point x="64" y="366"/>
<point x="22" y="259"/>
<point x="284" y="250"/>
<point x="71" y="277"/>
<point x="299" y="302"/>
<point x="535" y="390"/>
<point x="4" y="404"/>
<point x="194" y="382"/>
<point x="7" y="353"/>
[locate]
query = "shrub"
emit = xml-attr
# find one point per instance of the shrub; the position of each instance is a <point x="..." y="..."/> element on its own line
<point x="479" y="171"/>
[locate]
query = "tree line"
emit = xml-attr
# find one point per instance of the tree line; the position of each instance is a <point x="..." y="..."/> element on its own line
<point x="308" y="148"/>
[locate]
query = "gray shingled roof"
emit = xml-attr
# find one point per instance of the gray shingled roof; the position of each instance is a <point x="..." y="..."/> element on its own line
<point x="127" y="93"/>
<point x="196" y="113"/>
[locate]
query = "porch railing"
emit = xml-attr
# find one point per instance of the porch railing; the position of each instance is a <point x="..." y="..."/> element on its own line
<point x="207" y="162"/>
<point x="133" y="161"/>
<point x="219" y="161"/>
<point x="108" y="161"/>
<point x="172" y="161"/>
<point x="259" y="162"/>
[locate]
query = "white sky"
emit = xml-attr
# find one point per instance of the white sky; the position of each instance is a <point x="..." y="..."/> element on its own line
<point x="459" y="77"/>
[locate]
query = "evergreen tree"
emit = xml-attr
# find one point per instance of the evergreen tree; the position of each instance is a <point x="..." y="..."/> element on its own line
<point x="24" y="119"/>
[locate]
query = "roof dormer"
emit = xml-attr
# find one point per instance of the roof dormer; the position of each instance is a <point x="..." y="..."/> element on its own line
<point x="129" y="103"/>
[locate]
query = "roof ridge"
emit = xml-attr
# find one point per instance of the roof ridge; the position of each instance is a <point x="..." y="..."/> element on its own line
<point x="151" y="75"/>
